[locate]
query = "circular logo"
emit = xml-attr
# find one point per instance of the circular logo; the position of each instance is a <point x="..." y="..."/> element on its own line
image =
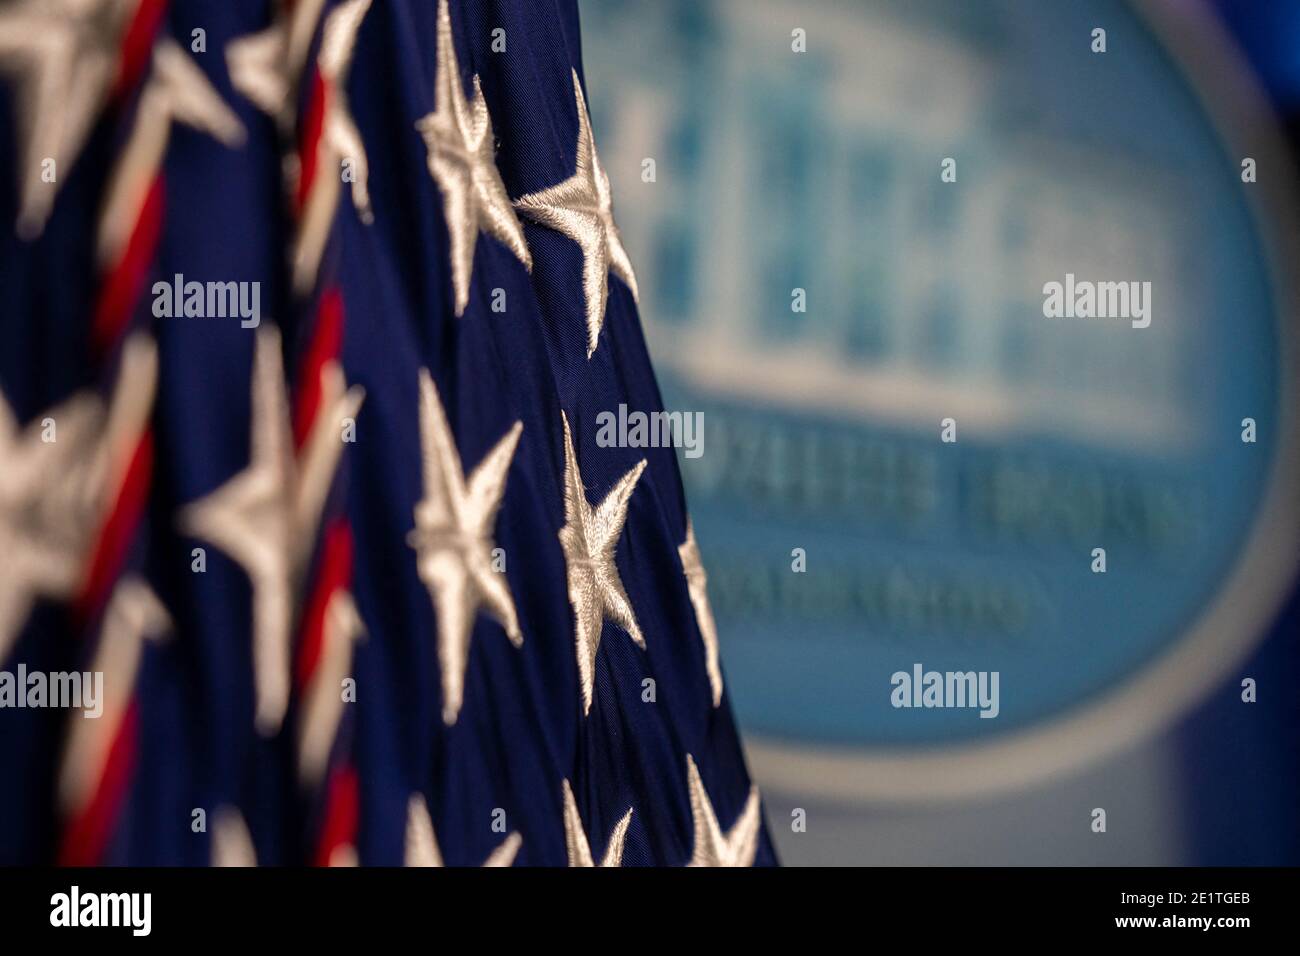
<point x="985" y="314"/>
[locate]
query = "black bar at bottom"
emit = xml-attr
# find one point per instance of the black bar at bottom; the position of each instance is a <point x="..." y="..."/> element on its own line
<point x="330" y="905"/>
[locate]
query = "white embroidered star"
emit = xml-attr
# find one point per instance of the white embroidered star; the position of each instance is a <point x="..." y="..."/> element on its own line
<point x="581" y="208"/>
<point x="267" y="66"/>
<point x="422" y="843"/>
<point x="265" y="517"/>
<point x="65" y="55"/>
<point x="589" y="537"/>
<point x="453" y="540"/>
<point x="177" y="91"/>
<point x="340" y="141"/>
<point x="697" y="585"/>
<point x="736" y="847"/>
<point x="42" y="539"/>
<point x="575" y="839"/>
<point x="462" y="160"/>
<point x="58" y="475"/>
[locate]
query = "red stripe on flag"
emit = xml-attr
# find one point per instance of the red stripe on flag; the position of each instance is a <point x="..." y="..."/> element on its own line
<point x="137" y="45"/>
<point x="340" y="827"/>
<point x="88" y="832"/>
<point x="115" y="535"/>
<point x="124" y="283"/>
<point x="326" y="344"/>
<point x="334" y="573"/>
<point x="312" y="125"/>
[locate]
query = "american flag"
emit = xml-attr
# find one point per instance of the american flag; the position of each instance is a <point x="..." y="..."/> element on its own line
<point x="307" y="311"/>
